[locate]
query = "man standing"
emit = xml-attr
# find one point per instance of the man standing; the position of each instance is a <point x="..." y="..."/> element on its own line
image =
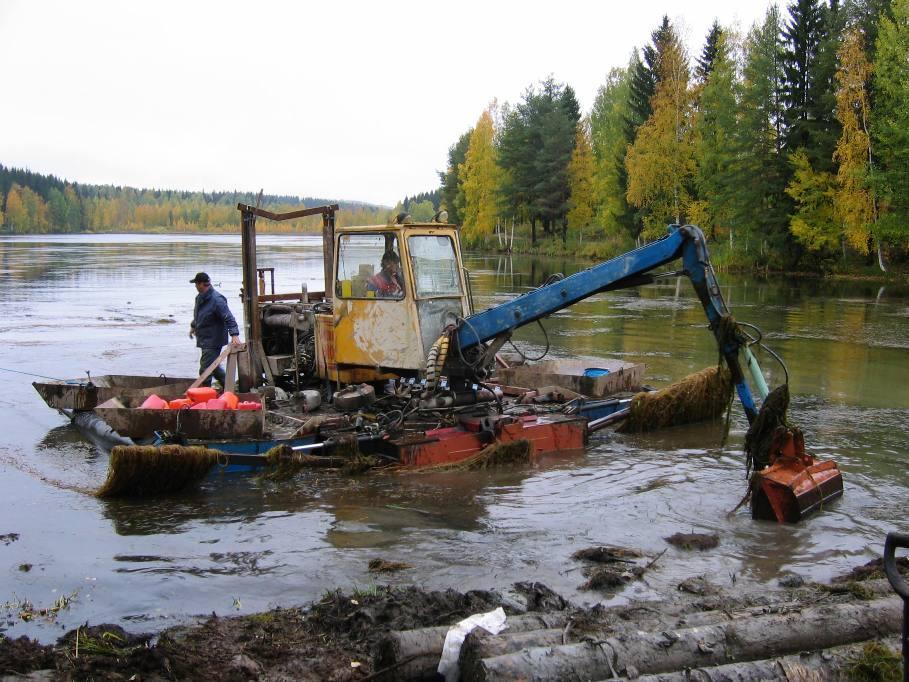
<point x="212" y="322"/>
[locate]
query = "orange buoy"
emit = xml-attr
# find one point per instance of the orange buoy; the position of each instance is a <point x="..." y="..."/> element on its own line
<point x="249" y="405"/>
<point x="216" y="404"/>
<point x="231" y="399"/>
<point x="153" y="402"/>
<point x="179" y="403"/>
<point x="201" y="394"/>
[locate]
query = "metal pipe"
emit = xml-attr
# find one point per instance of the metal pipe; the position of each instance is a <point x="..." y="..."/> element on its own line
<point x="603" y="422"/>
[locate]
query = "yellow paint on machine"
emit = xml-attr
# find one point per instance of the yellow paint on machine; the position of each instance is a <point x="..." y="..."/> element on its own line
<point x="374" y="333"/>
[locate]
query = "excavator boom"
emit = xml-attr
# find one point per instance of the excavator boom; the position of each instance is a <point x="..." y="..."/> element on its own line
<point x="630" y="269"/>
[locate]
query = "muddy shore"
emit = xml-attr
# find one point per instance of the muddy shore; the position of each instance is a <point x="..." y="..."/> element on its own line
<point x="342" y="635"/>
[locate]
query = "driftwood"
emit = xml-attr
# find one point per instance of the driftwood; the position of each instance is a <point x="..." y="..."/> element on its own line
<point x="826" y="664"/>
<point x="415" y="653"/>
<point x="744" y="639"/>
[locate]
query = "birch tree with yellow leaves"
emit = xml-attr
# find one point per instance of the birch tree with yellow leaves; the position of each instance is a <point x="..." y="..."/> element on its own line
<point x="854" y="199"/>
<point x="581" y="180"/>
<point x="480" y="180"/>
<point x="661" y="162"/>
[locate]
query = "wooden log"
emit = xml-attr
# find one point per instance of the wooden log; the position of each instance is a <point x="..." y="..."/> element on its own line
<point x="480" y="645"/>
<point x="745" y="639"/>
<point x="416" y="653"/>
<point x="826" y="664"/>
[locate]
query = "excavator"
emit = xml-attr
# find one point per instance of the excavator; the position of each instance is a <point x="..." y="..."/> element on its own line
<point x="427" y="337"/>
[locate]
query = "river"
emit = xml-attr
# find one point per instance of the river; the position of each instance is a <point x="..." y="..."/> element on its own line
<point x="122" y="304"/>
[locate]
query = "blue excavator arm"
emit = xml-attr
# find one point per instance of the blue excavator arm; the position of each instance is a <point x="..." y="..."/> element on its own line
<point x="630" y="269"/>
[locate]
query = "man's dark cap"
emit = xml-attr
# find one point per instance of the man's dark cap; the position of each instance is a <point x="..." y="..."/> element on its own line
<point x="200" y="277"/>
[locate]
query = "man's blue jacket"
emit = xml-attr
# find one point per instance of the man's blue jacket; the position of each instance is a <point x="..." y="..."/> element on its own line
<point x="212" y="320"/>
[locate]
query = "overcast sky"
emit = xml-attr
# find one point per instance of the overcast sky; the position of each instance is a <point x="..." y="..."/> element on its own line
<point x="341" y="100"/>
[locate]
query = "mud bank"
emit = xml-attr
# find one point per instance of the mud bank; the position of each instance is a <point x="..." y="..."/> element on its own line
<point x="396" y="633"/>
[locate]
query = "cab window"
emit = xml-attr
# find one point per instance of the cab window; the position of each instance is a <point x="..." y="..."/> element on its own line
<point x="435" y="266"/>
<point x="369" y="266"/>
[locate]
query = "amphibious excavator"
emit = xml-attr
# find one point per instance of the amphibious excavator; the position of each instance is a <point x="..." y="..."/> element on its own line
<point x="350" y="334"/>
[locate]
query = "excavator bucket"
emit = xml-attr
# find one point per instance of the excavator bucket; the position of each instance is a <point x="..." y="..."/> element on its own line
<point x="794" y="484"/>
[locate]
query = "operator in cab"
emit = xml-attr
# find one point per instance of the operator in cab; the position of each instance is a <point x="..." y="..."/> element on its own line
<point x="388" y="282"/>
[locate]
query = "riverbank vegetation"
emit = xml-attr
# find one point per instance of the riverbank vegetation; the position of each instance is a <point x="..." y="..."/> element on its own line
<point x="788" y="145"/>
<point x="32" y="203"/>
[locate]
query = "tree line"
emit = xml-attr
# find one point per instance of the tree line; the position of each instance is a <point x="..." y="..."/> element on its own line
<point x="788" y="145"/>
<point x="32" y="203"/>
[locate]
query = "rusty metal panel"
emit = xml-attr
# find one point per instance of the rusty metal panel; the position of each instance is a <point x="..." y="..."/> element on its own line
<point x="79" y="395"/>
<point x="326" y="366"/>
<point x="202" y="424"/>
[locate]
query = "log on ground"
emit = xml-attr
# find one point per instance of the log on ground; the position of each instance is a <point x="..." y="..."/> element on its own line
<point x="836" y="663"/>
<point x="746" y="639"/>
<point x="414" y="654"/>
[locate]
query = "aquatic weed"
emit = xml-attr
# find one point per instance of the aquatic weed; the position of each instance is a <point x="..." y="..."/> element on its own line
<point x="876" y="663"/>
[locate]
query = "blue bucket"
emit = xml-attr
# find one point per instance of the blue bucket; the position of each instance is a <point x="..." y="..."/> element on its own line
<point x="595" y="372"/>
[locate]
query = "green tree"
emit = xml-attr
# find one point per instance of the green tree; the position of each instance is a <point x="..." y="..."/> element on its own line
<point x="480" y="177"/>
<point x="761" y="207"/>
<point x="608" y="120"/>
<point x="713" y="47"/>
<point x="535" y="147"/>
<point x="558" y="121"/>
<point x="452" y="197"/>
<point x="73" y="219"/>
<point x="421" y="211"/>
<point x="581" y="180"/>
<point x="890" y="127"/>
<point x="57" y="210"/>
<point x="811" y="38"/>
<point x="660" y="163"/>
<point x="814" y="223"/>
<point x="716" y="121"/>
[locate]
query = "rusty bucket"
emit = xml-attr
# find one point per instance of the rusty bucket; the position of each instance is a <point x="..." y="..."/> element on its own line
<point x="795" y="484"/>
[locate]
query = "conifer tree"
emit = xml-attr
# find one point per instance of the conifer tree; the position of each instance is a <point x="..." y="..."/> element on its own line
<point x="452" y="196"/>
<point x="890" y="126"/>
<point x="761" y="206"/>
<point x="716" y="151"/>
<point x="811" y="37"/>
<point x="712" y="49"/>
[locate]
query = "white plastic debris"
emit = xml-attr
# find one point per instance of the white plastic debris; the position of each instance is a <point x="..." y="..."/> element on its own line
<point x="493" y="622"/>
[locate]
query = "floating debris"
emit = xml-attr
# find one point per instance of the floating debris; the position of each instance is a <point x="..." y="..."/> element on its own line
<point x="607" y="554"/>
<point x="382" y="566"/>
<point x="605" y="577"/>
<point x="691" y="541"/>
<point x="699" y="396"/>
<point x="140" y="471"/>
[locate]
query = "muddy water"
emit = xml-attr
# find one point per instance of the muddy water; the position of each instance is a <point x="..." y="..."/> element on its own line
<point x="122" y="304"/>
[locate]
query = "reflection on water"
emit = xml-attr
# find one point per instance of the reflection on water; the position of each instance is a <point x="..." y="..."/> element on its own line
<point x="122" y="304"/>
